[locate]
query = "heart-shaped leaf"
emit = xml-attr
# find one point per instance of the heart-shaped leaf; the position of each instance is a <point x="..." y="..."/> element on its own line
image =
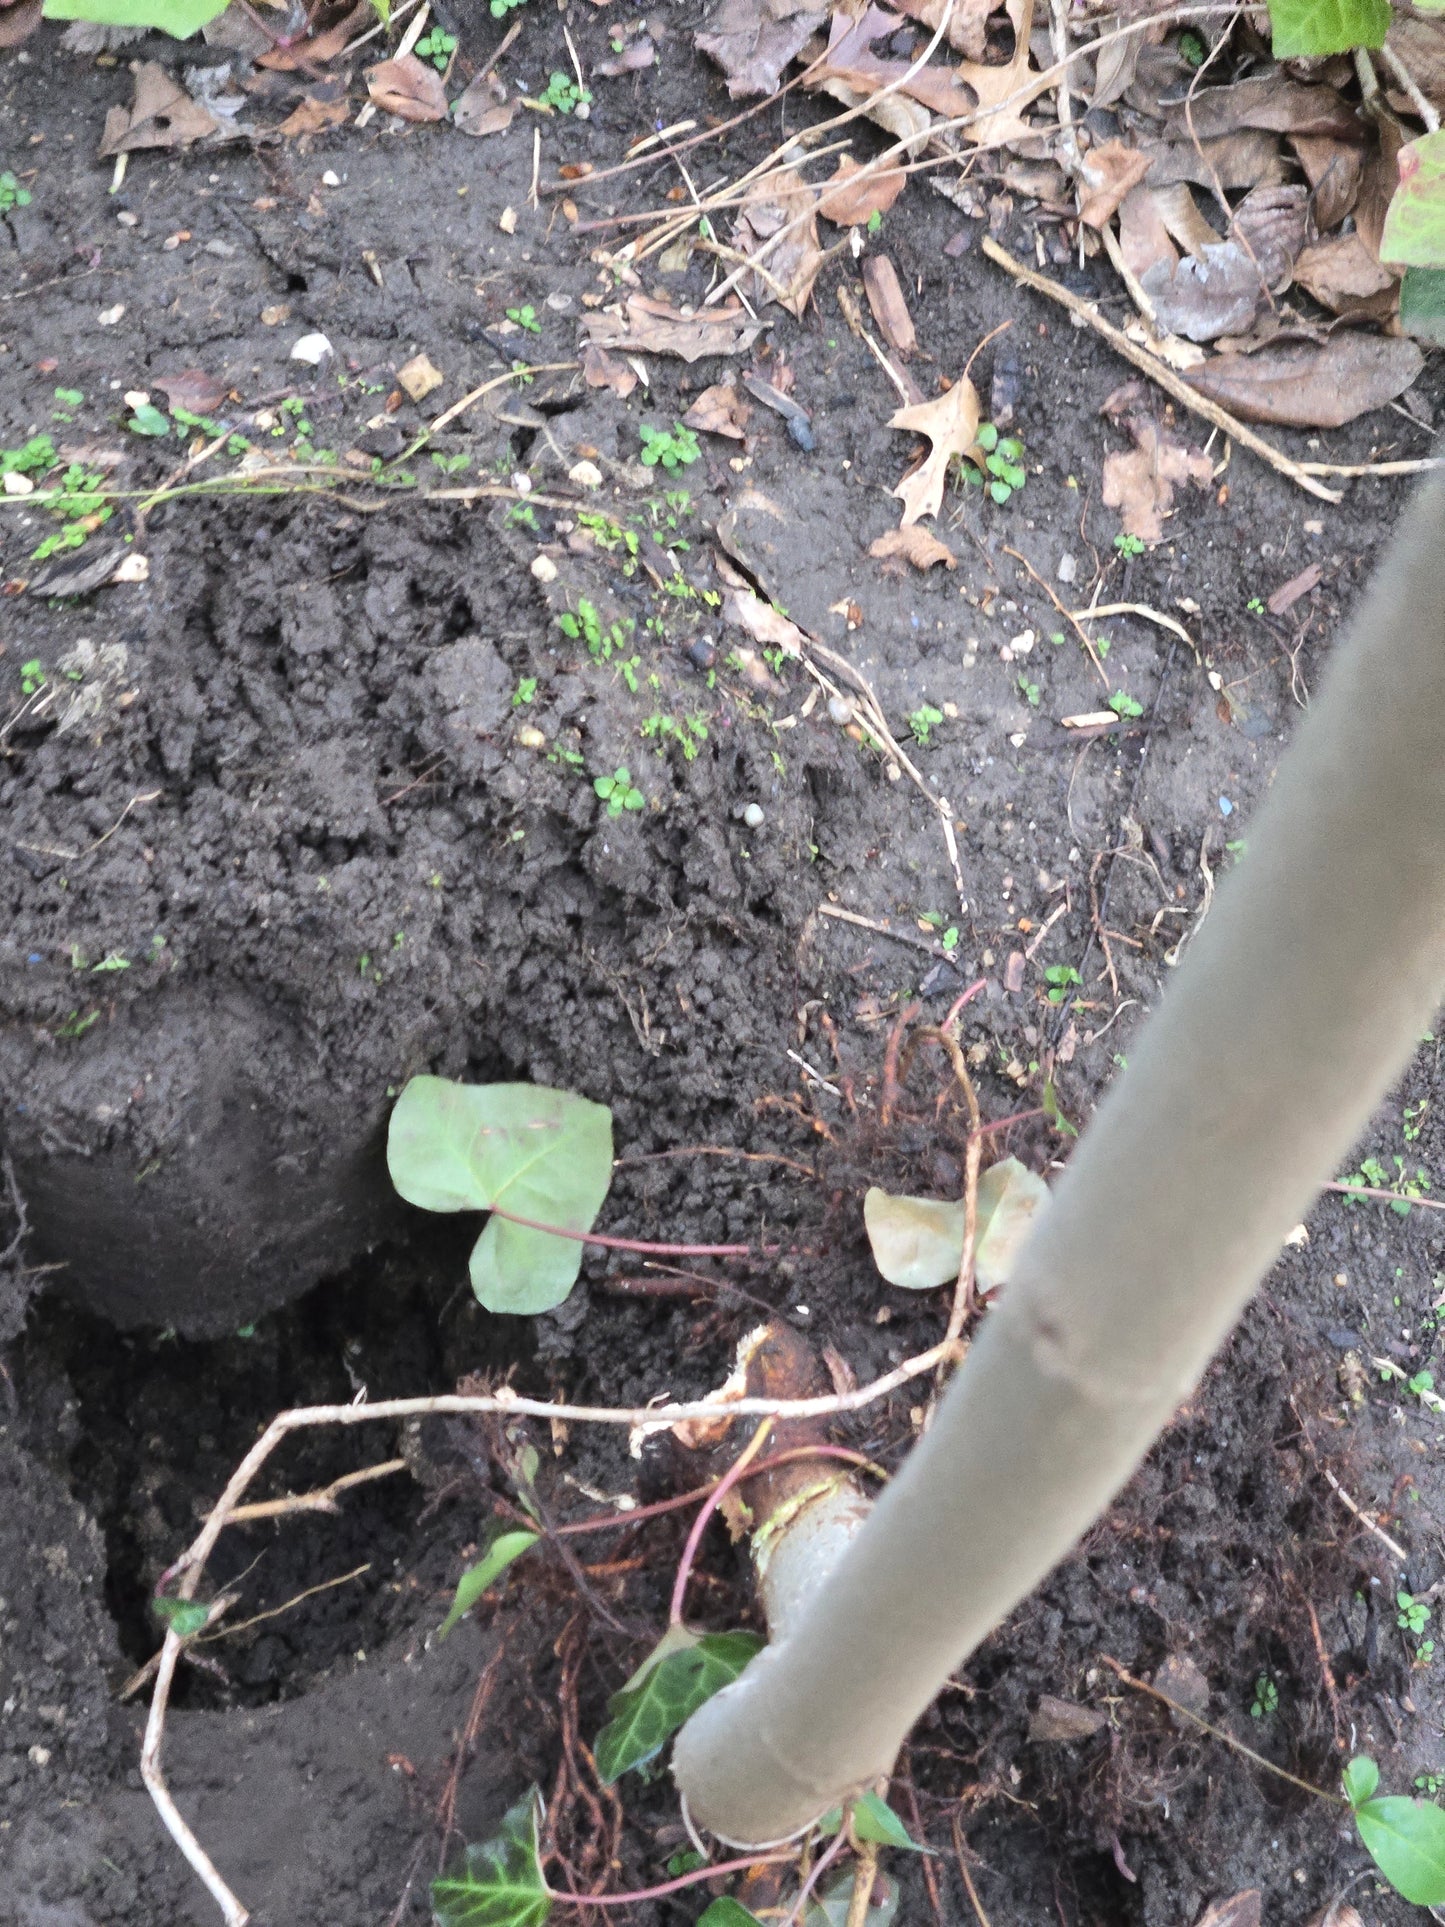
<point x="1406" y="1841"/>
<point x="506" y="1547"/>
<point x="727" y="1912"/>
<point x="918" y="1242"/>
<point x="523" y="1148"/>
<point x="499" y="1883"/>
<point x="1360" y="1778"/>
<point x="1302" y="28"/>
<point x="680" y="1672"/>
<point x="180" y="18"/>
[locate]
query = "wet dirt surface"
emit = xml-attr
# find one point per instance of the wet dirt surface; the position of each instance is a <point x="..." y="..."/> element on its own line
<point x="329" y="796"/>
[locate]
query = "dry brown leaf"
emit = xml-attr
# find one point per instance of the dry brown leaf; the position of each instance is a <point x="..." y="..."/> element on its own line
<point x="850" y="59"/>
<point x="313" y="116"/>
<point x="1243" y="160"/>
<point x="1339" y="1913"/>
<point x="763" y="622"/>
<point x="1144" y="232"/>
<point x="1056" y="1719"/>
<point x="1240" y="1910"/>
<point x="1417" y="42"/>
<point x="915" y="545"/>
<point x="753" y="40"/>
<point x="848" y="202"/>
<point x="1115" y="65"/>
<point x="1378" y="181"/>
<point x="1269" y="223"/>
<point x="967" y="30"/>
<point x="1107" y="173"/>
<point x="1289" y="593"/>
<point x="1345" y="277"/>
<point x="419" y="376"/>
<point x="951" y="423"/>
<point x="886" y="299"/>
<point x="161" y="114"/>
<point x="1334" y="170"/>
<point x="408" y="88"/>
<point x="1181" y="1679"/>
<point x="1269" y="101"/>
<point x="192" y="388"/>
<point x="1216" y="292"/>
<point x="645" y="326"/>
<point x="18" y="22"/>
<point x="1181" y="215"/>
<point x="479" y="111"/>
<point x="1140" y="482"/>
<point x="1303" y="386"/>
<point x="769" y="208"/>
<point x="720" y="410"/>
<point x="995" y="88"/>
<point x="601" y="370"/>
<point x="323" y="46"/>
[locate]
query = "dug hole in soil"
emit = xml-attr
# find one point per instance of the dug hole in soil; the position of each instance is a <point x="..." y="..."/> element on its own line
<point x="311" y="809"/>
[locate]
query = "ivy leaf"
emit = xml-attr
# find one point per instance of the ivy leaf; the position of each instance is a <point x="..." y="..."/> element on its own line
<point x="680" y="1672"/>
<point x="1306" y="27"/>
<point x="831" y="1908"/>
<point x="184" y="1617"/>
<point x="506" y="1547"/>
<point x="1414" y="231"/>
<point x="541" y="1153"/>
<point x="1360" y="1778"/>
<point x="500" y="1883"/>
<point x="1406" y="1841"/>
<point x="918" y="1242"/>
<point x="874" y="1819"/>
<point x="727" y="1912"/>
<point x="179" y="18"/>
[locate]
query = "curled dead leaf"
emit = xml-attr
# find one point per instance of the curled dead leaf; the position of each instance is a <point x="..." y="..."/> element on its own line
<point x="643" y="325"/>
<point x="1106" y="174"/>
<point x="951" y="424"/>
<point x="1064" y="1720"/>
<point x="601" y="370"/>
<point x="914" y="545"/>
<point x="1344" y="276"/>
<point x="779" y="214"/>
<point x="477" y="110"/>
<point x="917" y="1243"/>
<point x="313" y="116"/>
<point x="192" y="388"/>
<point x="161" y="114"/>
<point x="753" y="40"/>
<point x="1299" y="385"/>
<point x="1240" y="1910"/>
<point x="719" y="410"/>
<point x="408" y="88"/>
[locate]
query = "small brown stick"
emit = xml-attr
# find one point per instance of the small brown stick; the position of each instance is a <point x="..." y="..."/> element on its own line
<point x="864" y="1874"/>
<point x="930" y="1878"/>
<point x="1142" y="609"/>
<point x="1406" y="80"/>
<point x="1218" y="1733"/>
<point x="840" y="915"/>
<point x="1067" y="614"/>
<point x="1327" y="1672"/>
<point x="447" y="1809"/>
<point x="275" y="1612"/>
<point x="1159" y="372"/>
<point x="1392" y="1546"/>
<point x="717" y="1151"/>
<point x="960" y="1850"/>
<point x="322" y="1500"/>
<point x="1385" y="1197"/>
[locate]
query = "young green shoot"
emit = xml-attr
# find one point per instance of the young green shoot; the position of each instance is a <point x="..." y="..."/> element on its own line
<point x="923" y="721"/>
<point x="619" y="792"/>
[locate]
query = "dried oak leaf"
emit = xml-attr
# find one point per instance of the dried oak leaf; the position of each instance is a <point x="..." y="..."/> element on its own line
<point x="967" y="29"/>
<point x="1271" y="102"/>
<point x="192" y="388"/>
<point x="161" y="114"/>
<point x="1344" y="276"/>
<point x="601" y="370"/>
<point x="719" y="410"/>
<point x="313" y="116"/>
<point x="645" y="326"/>
<point x="848" y="201"/>
<point x="914" y="545"/>
<point x="1140" y="482"/>
<point x="1106" y="174"/>
<point x="1303" y="386"/>
<point x="850" y="59"/>
<point x="950" y="422"/>
<point x="408" y="88"/>
<point x="1240" y="1910"/>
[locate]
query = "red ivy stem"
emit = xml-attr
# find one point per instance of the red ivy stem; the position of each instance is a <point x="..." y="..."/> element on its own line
<point x="729" y="1479"/>
<point x="638" y="1244"/>
<point x="692" y="1879"/>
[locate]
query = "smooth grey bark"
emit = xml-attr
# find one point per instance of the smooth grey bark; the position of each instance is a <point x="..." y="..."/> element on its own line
<point x="1298" y="1002"/>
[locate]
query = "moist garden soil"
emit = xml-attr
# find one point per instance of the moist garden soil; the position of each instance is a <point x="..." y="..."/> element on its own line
<point x="311" y="808"/>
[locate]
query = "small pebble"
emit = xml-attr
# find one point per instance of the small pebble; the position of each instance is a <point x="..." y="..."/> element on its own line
<point x="530" y="737"/>
<point x="522" y="482"/>
<point x="1068" y="569"/>
<point x="544" y="569"/>
<point x="312" y="349"/>
<point x="331" y="178"/>
<point x="585" y="475"/>
<point x="753" y="816"/>
<point x="840" y="710"/>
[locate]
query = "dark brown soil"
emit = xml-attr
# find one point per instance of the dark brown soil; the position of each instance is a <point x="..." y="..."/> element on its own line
<point x="300" y="811"/>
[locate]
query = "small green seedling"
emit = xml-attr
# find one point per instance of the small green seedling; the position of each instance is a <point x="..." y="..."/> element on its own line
<point x="32" y="677"/>
<point x="1001" y="464"/>
<point x="1124" y="705"/>
<point x="1255" y="605"/>
<point x="1031" y="692"/>
<point x="1061" y="979"/>
<point x="452" y="464"/>
<point x="1129" y="545"/>
<point x="521" y="515"/>
<point x="924" y="720"/>
<point x="437" y="47"/>
<point x="1413" y="1615"/>
<point x="618" y="791"/>
<point x="34" y="457"/>
<point x="874" y="223"/>
<point x="501" y="8"/>
<point x="12" y="194"/>
<point x="1373" y="1174"/>
<point x="148" y="420"/>
<point x="1191" y="49"/>
<point x="1430" y="1783"/>
<point x="673" y="448"/>
<point x="525" y="318"/>
<point x="1266" y="1698"/>
<point x="525" y="692"/>
<point x="69" y="399"/>
<point x="563" y="94"/>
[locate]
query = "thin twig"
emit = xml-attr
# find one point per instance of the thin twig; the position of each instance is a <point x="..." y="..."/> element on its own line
<point x="1158" y="371"/>
<point x="961" y="1853"/>
<point x="1392" y="1546"/>
<point x="1407" y="81"/>
<point x="1068" y="615"/>
<point x="694" y="1538"/>
<point x="1385" y="1197"/>
<point x="322" y="1500"/>
<point x="840" y="915"/>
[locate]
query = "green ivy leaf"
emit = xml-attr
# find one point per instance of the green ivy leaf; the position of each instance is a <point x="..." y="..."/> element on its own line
<point x="542" y="1153"/>
<point x="506" y="1547"/>
<point x="727" y="1912"/>
<point x="148" y="420"/>
<point x="498" y="1884"/>
<point x="831" y="1908"/>
<point x="1360" y="1778"/>
<point x="1306" y="27"/>
<point x="1414" y="231"/>
<point x="680" y="1672"/>
<point x="874" y="1819"/>
<point x="184" y="1617"/>
<point x="1406" y="1841"/>
<point x="179" y="18"/>
<point x="1422" y="301"/>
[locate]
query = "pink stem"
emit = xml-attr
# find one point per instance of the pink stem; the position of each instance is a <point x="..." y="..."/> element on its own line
<point x="964" y="997"/>
<point x="692" y="1879"/>
<point x="820" y="1866"/>
<point x="638" y="1244"/>
<point x="729" y="1479"/>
